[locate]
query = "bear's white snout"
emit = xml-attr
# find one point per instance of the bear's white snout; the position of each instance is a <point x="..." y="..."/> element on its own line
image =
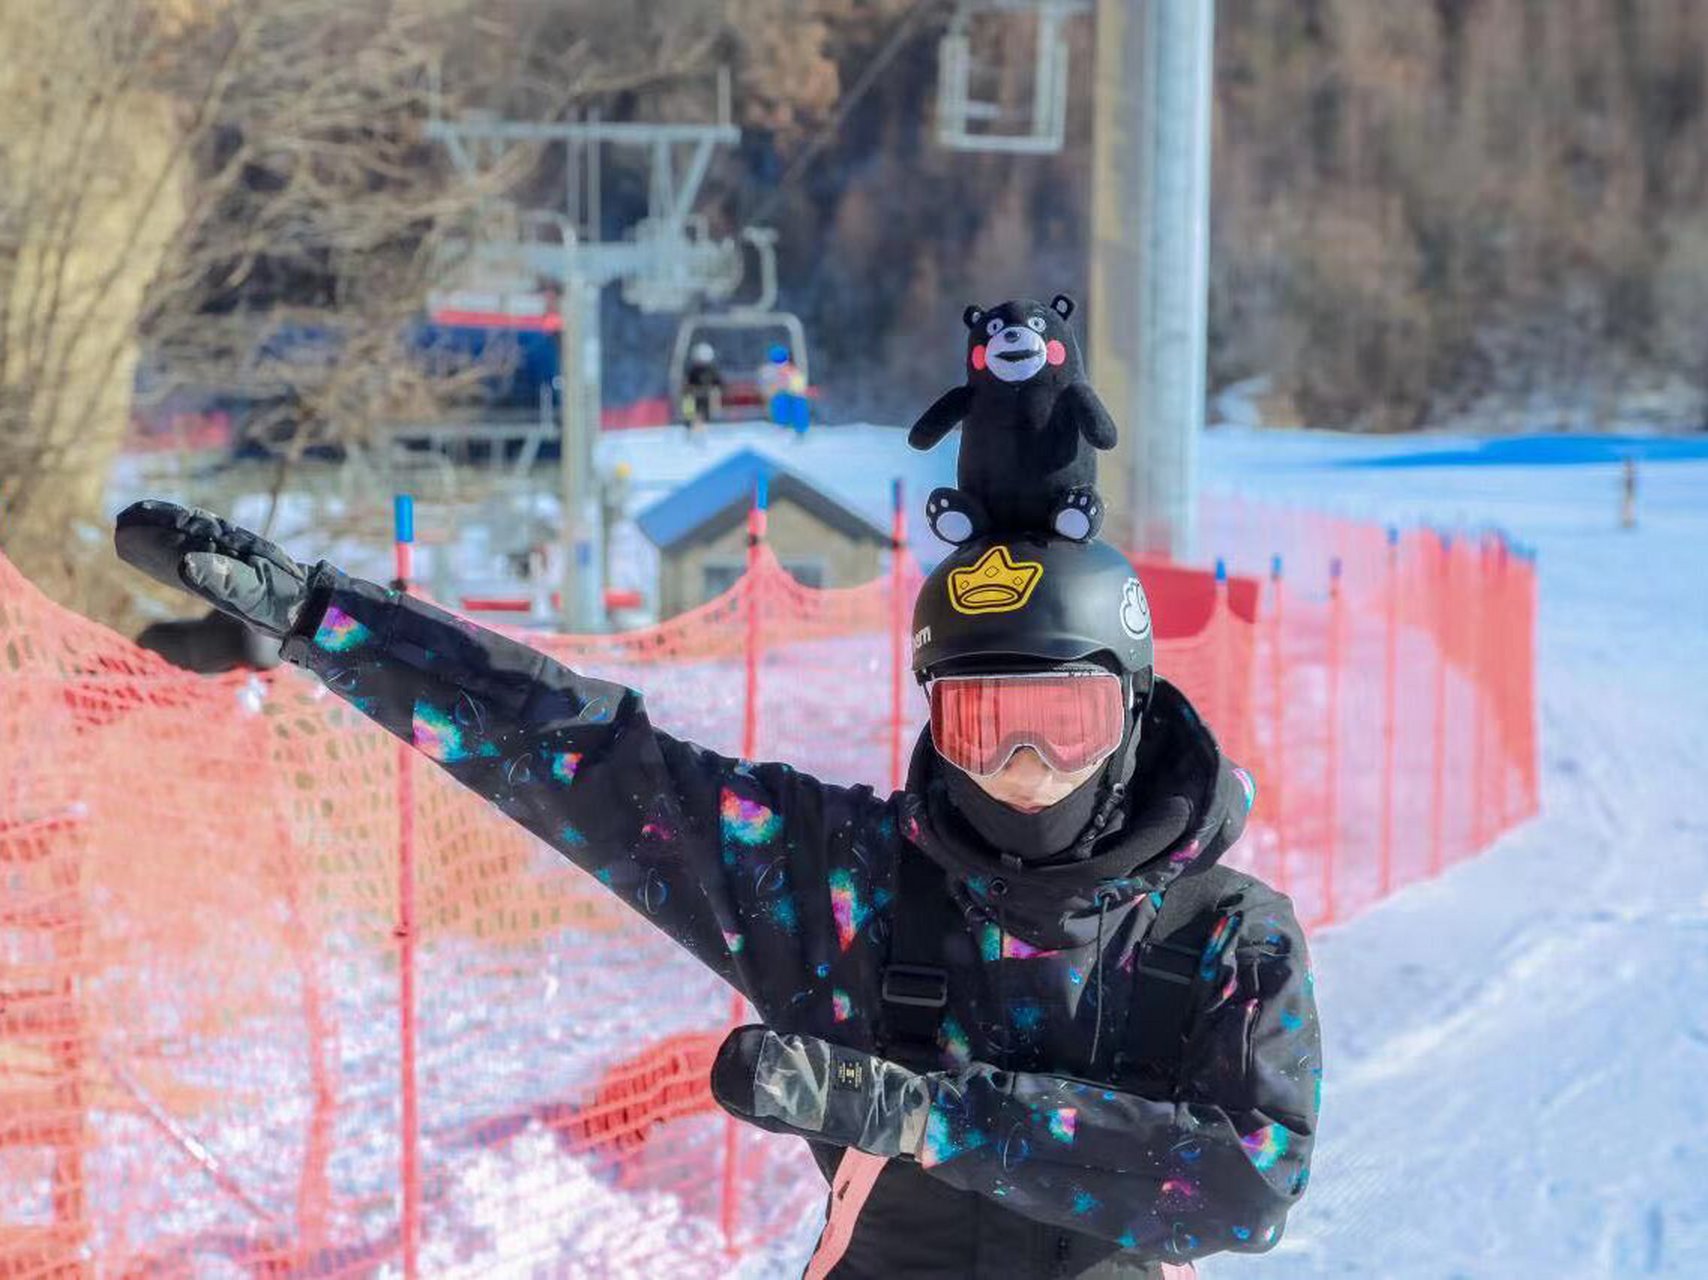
<point x="1016" y="354"/>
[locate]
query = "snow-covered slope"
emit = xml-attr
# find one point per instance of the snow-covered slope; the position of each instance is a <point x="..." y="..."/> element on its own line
<point x="1516" y="1052"/>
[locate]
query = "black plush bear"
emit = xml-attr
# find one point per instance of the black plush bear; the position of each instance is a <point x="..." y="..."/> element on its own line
<point x="1030" y="423"/>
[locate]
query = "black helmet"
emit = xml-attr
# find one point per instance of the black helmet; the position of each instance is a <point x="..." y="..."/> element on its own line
<point x="1034" y="597"/>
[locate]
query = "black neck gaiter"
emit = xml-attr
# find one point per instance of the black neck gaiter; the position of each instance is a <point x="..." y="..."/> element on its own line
<point x="1031" y="837"/>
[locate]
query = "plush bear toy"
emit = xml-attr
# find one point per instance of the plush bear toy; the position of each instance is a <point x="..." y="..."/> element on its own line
<point x="1029" y="426"/>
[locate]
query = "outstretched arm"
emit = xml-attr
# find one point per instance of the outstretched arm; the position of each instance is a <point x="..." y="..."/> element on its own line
<point x="726" y="857"/>
<point x="1215" y="1167"/>
<point x="941" y="418"/>
<point x="1079" y="406"/>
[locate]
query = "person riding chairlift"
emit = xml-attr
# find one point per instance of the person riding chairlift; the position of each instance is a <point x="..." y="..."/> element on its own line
<point x="1025" y="1020"/>
<point x="783" y="388"/>
<point x="702" y="397"/>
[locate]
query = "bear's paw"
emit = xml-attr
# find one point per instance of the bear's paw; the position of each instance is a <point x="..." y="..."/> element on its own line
<point x="1079" y="515"/>
<point x="954" y="516"/>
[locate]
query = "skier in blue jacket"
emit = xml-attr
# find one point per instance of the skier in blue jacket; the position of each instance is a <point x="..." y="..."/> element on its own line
<point x="1026" y="1022"/>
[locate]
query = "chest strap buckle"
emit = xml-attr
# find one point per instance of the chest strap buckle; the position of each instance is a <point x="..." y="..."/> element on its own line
<point x="916" y="985"/>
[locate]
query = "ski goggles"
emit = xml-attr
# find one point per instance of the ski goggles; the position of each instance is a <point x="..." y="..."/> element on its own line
<point x="1073" y="719"/>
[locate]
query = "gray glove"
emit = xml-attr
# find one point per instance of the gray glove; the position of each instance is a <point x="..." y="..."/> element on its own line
<point x="236" y="571"/>
<point x="815" y="1089"/>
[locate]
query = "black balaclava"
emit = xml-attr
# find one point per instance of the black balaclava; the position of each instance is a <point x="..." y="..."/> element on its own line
<point x="1068" y="829"/>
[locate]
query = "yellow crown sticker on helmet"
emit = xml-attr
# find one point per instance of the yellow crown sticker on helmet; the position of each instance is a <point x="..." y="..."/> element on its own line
<point x="996" y="584"/>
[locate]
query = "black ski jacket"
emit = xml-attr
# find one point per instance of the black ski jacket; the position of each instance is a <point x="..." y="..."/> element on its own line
<point x="1037" y="1161"/>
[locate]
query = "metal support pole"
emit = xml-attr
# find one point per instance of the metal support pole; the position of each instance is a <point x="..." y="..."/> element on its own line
<point x="753" y="584"/>
<point x="1331" y="849"/>
<point x="1150" y="261"/>
<point x="1279" y="741"/>
<point x="1481" y="686"/>
<point x="900" y="665"/>
<point x="1438" y="761"/>
<point x="729" y="1211"/>
<point x="1221" y="698"/>
<point x="1390" y="715"/>
<point x="1503" y="672"/>
<point x="731" y="1194"/>
<point x="403" y="513"/>
<point x="579" y="413"/>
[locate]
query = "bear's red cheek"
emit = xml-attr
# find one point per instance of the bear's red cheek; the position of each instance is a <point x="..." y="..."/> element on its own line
<point x="978" y="356"/>
<point x="1055" y="352"/>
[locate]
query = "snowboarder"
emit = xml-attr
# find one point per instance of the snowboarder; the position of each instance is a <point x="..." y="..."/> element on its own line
<point x="1026" y="1022"/>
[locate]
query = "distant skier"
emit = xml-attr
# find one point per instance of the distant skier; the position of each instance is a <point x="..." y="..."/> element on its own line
<point x="702" y="398"/>
<point x="1026" y="1022"/>
<point x="1628" y="495"/>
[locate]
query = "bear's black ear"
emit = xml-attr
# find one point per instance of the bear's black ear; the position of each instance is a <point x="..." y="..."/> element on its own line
<point x="1062" y="305"/>
<point x="972" y="317"/>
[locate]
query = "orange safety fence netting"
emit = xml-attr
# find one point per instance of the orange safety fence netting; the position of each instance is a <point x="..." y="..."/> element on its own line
<point x="1392" y="700"/>
<point x="201" y="1032"/>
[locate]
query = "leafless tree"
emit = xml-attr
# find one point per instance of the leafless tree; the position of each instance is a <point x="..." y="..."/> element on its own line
<point x="241" y="196"/>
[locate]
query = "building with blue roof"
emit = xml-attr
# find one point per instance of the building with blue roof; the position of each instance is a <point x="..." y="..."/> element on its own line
<point x="700" y="531"/>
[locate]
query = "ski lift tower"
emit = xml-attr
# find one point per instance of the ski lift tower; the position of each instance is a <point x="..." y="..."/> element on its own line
<point x="969" y="123"/>
<point x="664" y="263"/>
<point x="1150" y="255"/>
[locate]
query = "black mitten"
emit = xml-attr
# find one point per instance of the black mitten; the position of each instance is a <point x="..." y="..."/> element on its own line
<point x="236" y="571"/>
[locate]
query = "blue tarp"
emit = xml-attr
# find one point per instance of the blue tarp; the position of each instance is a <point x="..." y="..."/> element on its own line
<point x="1548" y="451"/>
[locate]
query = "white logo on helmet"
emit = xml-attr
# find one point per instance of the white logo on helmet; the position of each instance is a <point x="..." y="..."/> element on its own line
<point x="1135" y="610"/>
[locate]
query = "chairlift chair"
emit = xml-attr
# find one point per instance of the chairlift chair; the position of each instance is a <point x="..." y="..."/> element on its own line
<point x="967" y="123"/>
<point x="738" y="392"/>
<point x="759" y="314"/>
